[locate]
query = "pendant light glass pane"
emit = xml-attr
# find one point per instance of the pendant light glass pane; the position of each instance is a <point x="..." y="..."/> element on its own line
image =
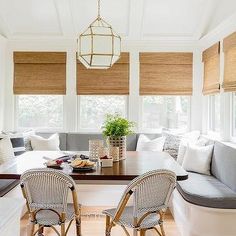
<point x="114" y="59"/>
<point x="102" y="44"/>
<point x="85" y="45"/>
<point x="101" y="30"/>
<point x="117" y="45"/>
<point x="85" y="60"/>
<point x="88" y="31"/>
<point x="99" y="60"/>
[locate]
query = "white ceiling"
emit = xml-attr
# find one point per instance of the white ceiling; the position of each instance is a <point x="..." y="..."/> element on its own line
<point x="132" y="19"/>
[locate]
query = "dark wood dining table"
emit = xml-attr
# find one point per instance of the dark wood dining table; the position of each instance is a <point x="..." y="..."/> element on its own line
<point x="136" y="163"/>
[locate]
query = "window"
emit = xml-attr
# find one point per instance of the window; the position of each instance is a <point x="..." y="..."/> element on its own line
<point x="234" y="115"/>
<point x="40" y="111"/>
<point x="170" y="112"/>
<point x="93" y="109"/>
<point x="214" y="113"/>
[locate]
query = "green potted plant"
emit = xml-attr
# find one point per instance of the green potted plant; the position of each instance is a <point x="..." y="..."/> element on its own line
<point x="116" y="128"/>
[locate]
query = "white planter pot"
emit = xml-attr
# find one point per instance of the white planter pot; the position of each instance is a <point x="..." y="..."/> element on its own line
<point x="118" y="142"/>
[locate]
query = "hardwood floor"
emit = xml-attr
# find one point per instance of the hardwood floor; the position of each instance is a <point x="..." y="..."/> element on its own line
<point x="94" y="225"/>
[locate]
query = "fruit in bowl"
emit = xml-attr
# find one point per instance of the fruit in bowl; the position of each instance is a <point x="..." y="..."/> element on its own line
<point x="104" y="157"/>
<point x="59" y="162"/>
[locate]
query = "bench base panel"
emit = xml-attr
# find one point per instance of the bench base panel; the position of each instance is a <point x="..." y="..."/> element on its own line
<point x="193" y="220"/>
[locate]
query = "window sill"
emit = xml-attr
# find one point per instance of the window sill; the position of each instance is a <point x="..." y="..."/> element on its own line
<point x="42" y="130"/>
<point x="230" y="144"/>
<point x="216" y="137"/>
<point x="213" y="136"/>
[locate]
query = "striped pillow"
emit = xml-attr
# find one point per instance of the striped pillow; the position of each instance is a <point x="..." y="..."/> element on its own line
<point x="27" y="134"/>
<point x="6" y="151"/>
<point x="17" y="141"/>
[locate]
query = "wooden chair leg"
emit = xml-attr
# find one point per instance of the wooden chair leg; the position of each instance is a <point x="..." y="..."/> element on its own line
<point x="63" y="229"/>
<point x="78" y="225"/>
<point x="161" y="224"/>
<point x="30" y="229"/>
<point x="135" y="232"/>
<point x="63" y="226"/>
<point x="40" y="233"/>
<point x="108" y="226"/>
<point x="162" y="229"/>
<point x="142" y="232"/>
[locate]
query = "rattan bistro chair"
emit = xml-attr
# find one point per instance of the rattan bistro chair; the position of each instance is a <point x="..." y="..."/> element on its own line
<point x="151" y="193"/>
<point x="46" y="192"/>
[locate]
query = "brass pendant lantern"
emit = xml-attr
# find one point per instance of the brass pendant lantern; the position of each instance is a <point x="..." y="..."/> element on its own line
<point x="99" y="46"/>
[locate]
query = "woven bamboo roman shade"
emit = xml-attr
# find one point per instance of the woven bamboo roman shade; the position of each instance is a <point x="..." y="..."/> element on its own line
<point x="229" y="83"/>
<point x="166" y="73"/>
<point x="211" y="60"/>
<point x="39" y="73"/>
<point x="113" y="81"/>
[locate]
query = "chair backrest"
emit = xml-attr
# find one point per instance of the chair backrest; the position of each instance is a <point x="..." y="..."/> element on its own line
<point x="151" y="191"/>
<point x="46" y="188"/>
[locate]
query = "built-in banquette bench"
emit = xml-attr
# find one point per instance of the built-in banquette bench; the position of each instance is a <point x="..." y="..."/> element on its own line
<point x="206" y="205"/>
<point x="202" y="205"/>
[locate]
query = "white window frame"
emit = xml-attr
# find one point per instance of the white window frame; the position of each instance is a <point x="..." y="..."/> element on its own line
<point x="154" y="131"/>
<point x="98" y="131"/>
<point x="16" y="108"/>
<point x="211" y="111"/>
<point x="232" y="117"/>
<point x="211" y="119"/>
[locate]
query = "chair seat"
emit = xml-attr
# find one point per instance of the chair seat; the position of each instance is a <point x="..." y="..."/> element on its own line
<point x="127" y="218"/>
<point x="47" y="217"/>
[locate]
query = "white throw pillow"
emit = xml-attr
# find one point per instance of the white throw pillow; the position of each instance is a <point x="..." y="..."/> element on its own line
<point x="190" y="138"/>
<point x="198" y="159"/>
<point x="181" y="152"/>
<point x="183" y="147"/>
<point x="39" y="143"/>
<point x="145" y="144"/>
<point x="6" y="150"/>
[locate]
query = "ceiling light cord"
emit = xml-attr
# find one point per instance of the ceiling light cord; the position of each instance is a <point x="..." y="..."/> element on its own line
<point x="99" y="9"/>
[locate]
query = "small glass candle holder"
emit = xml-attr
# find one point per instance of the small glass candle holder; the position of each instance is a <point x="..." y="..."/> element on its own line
<point x="95" y="149"/>
<point x="104" y="152"/>
<point x="114" y="153"/>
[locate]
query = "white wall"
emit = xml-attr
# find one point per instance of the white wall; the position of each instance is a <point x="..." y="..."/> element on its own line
<point x="3" y="44"/>
<point x="70" y="100"/>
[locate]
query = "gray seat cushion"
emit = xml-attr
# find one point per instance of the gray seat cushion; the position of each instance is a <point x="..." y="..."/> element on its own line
<point x="224" y="164"/>
<point x="132" y="142"/>
<point x="204" y="190"/>
<point x="80" y="141"/>
<point x="7" y="185"/>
